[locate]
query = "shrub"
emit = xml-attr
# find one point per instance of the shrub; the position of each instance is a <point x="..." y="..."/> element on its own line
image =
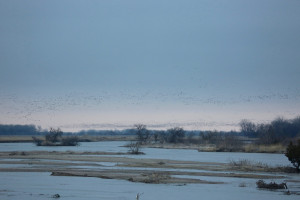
<point x="54" y="135"/>
<point x="37" y="141"/>
<point x="293" y="154"/>
<point x="134" y="148"/>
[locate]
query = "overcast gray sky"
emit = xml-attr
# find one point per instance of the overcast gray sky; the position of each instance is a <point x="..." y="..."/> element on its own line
<point x="199" y="64"/>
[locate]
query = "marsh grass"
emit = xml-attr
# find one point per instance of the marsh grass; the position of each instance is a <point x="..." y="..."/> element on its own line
<point x="248" y="165"/>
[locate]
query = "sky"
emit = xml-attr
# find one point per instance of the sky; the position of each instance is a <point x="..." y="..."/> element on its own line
<point x="110" y="64"/>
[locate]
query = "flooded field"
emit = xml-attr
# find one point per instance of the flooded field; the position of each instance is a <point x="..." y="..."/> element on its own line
<point x="30" y="172"/>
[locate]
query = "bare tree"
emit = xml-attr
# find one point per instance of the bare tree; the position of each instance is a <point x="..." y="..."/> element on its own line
<point x="142" y="134"/>
<point x="134" y="148"/>
<point x="176" y="135"/>
<point x="54" y="135"/>
<point x="248" y="128"/>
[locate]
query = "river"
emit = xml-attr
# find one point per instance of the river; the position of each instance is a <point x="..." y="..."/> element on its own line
<point x="36" y="185"/>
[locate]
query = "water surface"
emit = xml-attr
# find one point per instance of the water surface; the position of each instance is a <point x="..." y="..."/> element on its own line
<point x="173" y="154"/>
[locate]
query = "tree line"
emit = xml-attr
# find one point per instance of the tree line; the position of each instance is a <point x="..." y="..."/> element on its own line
<point x="279" y="130"/>
<point x="21" y="130"/>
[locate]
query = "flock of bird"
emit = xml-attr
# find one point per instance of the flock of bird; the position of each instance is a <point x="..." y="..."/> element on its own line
<point x="26" y="108"/>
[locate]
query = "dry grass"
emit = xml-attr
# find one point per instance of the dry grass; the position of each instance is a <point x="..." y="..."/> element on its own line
<point x="247" y="165"/>
<point x="18" y="138"/>
<point x="171" y="145"/>
<point x="44" y="161"/>
<point x="156" y="177"/>
<point x="275" y="148"/>
<point x="82" y="138"/>
<point x="207" y="148"/>
<point x="249" y="148"/>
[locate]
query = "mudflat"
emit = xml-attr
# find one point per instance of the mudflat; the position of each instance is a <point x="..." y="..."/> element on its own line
<point x="111" y="165"/>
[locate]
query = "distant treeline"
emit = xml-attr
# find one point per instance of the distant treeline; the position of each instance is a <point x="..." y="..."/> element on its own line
<point x="17" y="129"/>
<point x="37" y="130"/>
<point x="279" y="130"/>
<point x="107" y="132"/>
<point x="21" y="130"/>
<point x="129" y="132"/>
